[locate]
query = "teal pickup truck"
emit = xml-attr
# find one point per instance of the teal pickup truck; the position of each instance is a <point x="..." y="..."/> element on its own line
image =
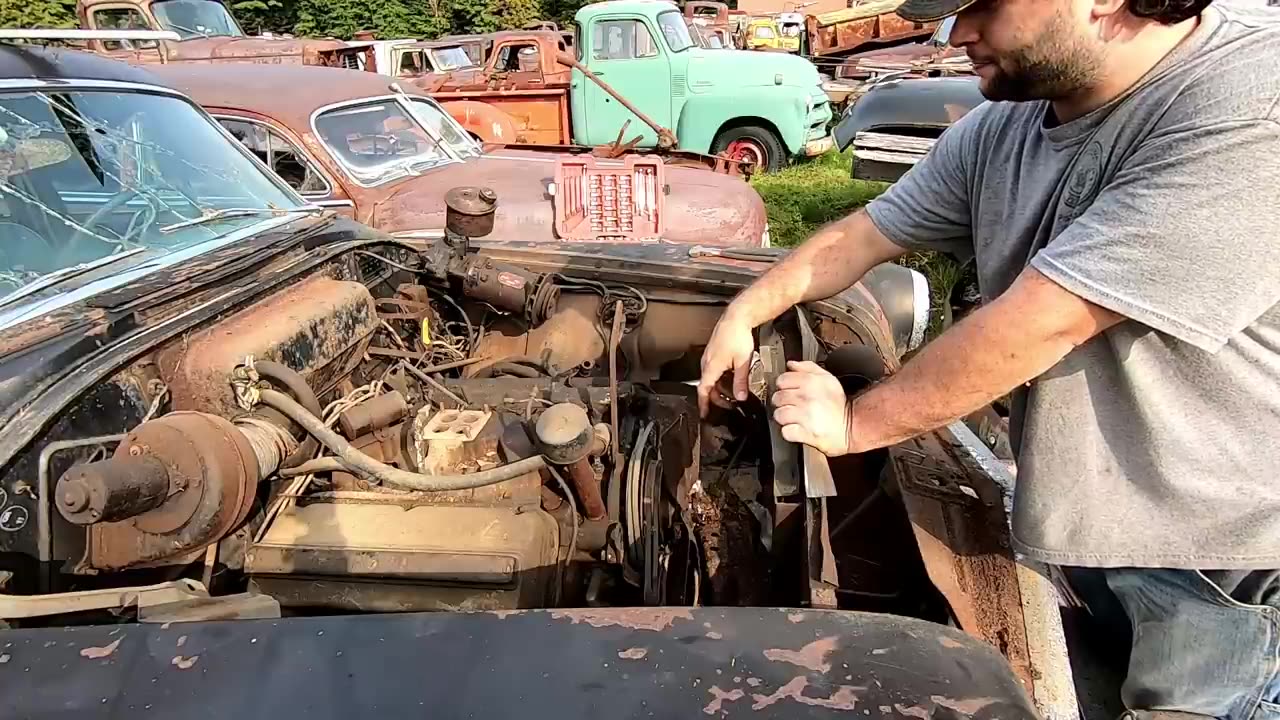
<point x="633" y="72"/>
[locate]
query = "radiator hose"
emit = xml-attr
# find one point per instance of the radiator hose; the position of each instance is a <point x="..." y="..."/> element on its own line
<point x="352" y="460"/>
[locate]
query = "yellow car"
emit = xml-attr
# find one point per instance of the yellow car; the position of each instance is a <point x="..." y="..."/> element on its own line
<point x="762" y="33"/>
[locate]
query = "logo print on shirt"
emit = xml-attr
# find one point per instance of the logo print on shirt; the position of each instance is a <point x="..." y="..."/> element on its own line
<point x="1085" y="179"/>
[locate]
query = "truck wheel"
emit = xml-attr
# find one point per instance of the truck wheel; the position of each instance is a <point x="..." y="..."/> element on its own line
<point x="753" y="143"/>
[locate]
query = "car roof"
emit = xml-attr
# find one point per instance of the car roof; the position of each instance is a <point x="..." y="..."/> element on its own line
<point x="38" y="62"/>
<point x="288" y="93"/>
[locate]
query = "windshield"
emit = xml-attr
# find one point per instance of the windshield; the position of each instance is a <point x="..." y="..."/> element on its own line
<point x="196" y="18"/>
<point x="764" y="32"/>
<point x="675" y="31"/>
<point x="433" y="116"/>
<point x="378" y="141"/>
<point x="942" y="36"/>
<point x="446" y="59"/>
<point x="88" y="174"/>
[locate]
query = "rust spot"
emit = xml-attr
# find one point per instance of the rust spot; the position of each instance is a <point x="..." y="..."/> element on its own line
<point x="844" y="698"/>
<point x="949" y="643"/>
<point x="719" y="697"/>
<point x="94" y="653"/>
<point x="964" y="707"/>
<point x="913" y="711"/>
<point x="635" y="618"/>
<point x="812" y="656"/>
<point x="633" y="654"/>
<point x="715" y="635"/>
<point x="754" y="682"/>
<point x="184" y="663"/>
<point x="504" y="614"/>
<point x="795" y="617"/>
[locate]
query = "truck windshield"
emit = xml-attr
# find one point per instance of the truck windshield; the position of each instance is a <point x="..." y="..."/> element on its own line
<point x="379" y="141"/>
<point x="942" y="36"/>
<point x="446" y="59"/>
<point x="196" y="18"/>
<point x="90" y="174"/>
<point x="675" y="31"/>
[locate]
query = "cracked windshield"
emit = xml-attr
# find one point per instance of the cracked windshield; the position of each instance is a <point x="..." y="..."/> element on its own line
<point x="86" y="176"/>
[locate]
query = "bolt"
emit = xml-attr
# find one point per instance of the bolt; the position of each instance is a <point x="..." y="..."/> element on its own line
<point x="135" y="450"/>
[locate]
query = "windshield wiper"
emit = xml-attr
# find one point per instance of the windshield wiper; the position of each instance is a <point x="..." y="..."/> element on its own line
<point x="227" y="213"/>
<point x="58" y="276"/>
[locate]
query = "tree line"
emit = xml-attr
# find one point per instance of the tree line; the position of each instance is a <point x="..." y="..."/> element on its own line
<point x="339" y="18"/>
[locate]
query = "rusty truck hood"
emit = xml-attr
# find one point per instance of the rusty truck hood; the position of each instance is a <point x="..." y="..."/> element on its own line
<point x="250" y="49"/>
<point x="922" y="59"/>
<point x="703" y="207"/>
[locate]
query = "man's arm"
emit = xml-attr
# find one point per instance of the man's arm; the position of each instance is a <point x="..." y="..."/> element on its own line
<point x="831" y="260"/>
<point x="1011" y="341"/>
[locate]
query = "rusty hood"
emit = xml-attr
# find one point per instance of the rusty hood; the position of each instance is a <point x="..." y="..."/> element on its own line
<point x="252" y="49"/>
<point x="703" y="207"/>
<point x="922" y="58"/>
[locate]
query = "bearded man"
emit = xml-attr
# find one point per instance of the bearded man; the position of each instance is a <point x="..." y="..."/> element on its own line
<point x="1120" y="197"/>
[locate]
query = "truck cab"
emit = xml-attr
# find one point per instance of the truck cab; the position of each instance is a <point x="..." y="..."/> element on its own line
<point x="208" y="32"/>
<point x="763" y="107"/>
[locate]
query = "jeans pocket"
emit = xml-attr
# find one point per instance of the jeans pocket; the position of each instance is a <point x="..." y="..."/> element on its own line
<point x="1213" y="592"/>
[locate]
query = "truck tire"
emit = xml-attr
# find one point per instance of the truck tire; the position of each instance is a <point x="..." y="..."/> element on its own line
<point x="754" y="143"/>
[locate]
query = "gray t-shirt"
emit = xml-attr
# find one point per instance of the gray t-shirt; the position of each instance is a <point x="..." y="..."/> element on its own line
<point x="1156" y="443"/>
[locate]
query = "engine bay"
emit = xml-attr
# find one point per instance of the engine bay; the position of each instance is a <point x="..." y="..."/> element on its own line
<point x="411" y="428"/>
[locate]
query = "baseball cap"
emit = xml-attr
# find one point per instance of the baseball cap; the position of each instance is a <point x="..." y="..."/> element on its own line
<point x="930" y="10"/>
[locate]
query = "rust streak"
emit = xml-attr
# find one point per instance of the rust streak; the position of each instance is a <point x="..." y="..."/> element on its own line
<point x="812" y="656"/>
<point x="913" y="711"/>
<point x="636" y="653"/>
<point x="719" y="697"/>
<point x="95" y="653"/>
<point x="844" y="698"/>
<point x="655" y="619"/>
<point x="964" y="707"/>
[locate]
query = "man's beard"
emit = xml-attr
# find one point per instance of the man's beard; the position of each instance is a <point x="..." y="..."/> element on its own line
<point x="1057" y="64"/>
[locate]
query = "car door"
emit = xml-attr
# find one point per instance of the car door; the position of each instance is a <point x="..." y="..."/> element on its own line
<point x="286" y="158"/>
<point x="627" y="55"/>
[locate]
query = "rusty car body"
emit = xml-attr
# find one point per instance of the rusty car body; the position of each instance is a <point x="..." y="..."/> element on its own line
<point x="220" y="402"/>
<point x="209" y="34"/>
<point x="713" y="18"/>
<point x="863" y="25"/>
<point x="861" y="71"/>
<point x="303" y="122"/>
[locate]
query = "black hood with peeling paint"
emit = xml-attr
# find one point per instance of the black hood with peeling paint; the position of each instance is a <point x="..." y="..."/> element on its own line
<point x="676" y="663"/>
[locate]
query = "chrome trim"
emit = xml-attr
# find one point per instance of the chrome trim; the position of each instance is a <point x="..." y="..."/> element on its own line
<point x="920" y="304"/>
<point x="334" y="203"/>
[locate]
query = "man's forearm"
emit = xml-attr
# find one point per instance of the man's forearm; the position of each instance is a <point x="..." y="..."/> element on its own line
<point x="831" y="260"/>
<point x="1006" y="344"/>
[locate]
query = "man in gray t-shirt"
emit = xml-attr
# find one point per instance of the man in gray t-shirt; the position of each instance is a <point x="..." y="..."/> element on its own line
<point x="1120" y="198"/>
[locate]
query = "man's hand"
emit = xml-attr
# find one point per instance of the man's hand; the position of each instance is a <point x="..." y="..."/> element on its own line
<point x="812" y="409"/>
<point x="729" y="350"/>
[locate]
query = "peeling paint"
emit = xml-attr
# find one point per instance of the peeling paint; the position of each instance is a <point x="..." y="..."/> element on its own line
<point x="754" y="681"/>
<point x="796" y="617"/>
<point x="844" y="698"/>
<point x="504" y="614"/>
<point x="964" y="707"/>
<point x="949" y="643"/>
<point x="633" y="654"/>
<point x="885" y="709"/>
<point x="182" y="641"/>
<point x="655" y="619"/>
<point x="715" y="636"/>
<point x="912" y="711"/>
<point x="720" y="697"/>
<point x="184" y="663"/>
<point x="812" y="656"/>
<point x="4" y="658"/>
<point x="95" y="653"/>
<point x="879" y="651"/>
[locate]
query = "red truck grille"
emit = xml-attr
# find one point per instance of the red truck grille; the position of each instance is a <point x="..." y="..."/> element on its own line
<point x="609" y="202"/>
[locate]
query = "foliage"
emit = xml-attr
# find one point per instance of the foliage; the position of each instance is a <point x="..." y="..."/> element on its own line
<point x="38" y="14"/>
<point x="810" y="194"/>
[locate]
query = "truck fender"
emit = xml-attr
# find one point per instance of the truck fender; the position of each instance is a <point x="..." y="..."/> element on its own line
<point x="704" y="116"/>
<point x="914" y="102"/>
<point x="483" y="120"/>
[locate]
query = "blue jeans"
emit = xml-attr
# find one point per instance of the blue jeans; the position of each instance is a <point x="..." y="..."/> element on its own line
<point x="1202" y="642"/>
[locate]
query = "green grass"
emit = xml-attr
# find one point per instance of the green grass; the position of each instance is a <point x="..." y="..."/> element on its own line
<point x="812" y="193"/>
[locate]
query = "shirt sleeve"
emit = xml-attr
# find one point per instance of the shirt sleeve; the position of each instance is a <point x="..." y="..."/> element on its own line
<point x="1184" y="238"/>
<point x="929" y="207"/>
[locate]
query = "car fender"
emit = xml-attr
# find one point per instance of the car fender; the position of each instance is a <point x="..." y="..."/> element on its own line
<point x="912" y="102"/>
<point x="703" y="116"/>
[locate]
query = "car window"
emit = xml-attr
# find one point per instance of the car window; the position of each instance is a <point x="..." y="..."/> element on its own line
<point x="410" y="63"/>
<point x="122" y="19"/>
<point x="517" y="57"/>
<point x="433" y="116"/>
<point x="764" y="32"/>
<point x="378" y="141"/>
<point x="196" y="18"/>
<point x="675" y="31"/>
<point x="282" y="156"/>
<point x="622" y="40"/>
